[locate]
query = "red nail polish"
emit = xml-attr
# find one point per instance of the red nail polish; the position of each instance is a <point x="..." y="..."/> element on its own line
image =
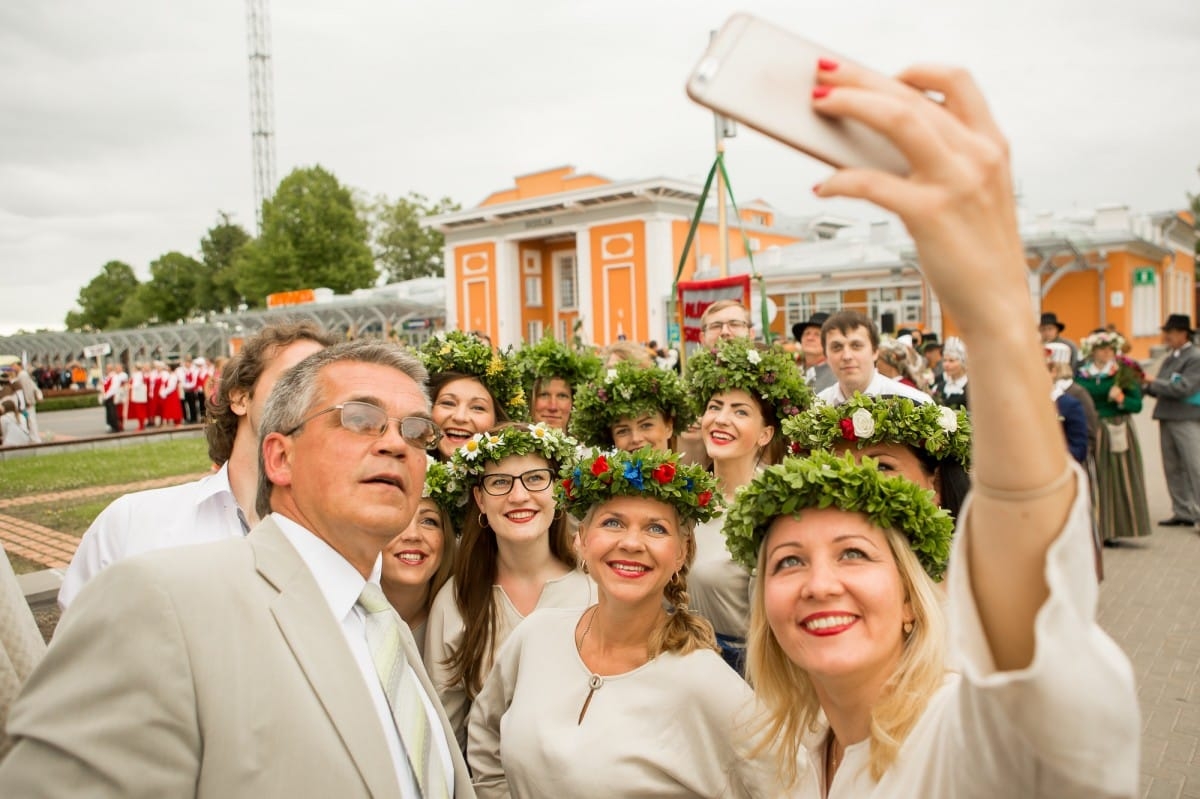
<point x="821" y="91"/>
<point x="827" y="64"/>
<point x="816" y="188"/>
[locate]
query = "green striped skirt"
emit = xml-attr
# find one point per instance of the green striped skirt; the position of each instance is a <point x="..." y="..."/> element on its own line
<point x="1121" y="482"/>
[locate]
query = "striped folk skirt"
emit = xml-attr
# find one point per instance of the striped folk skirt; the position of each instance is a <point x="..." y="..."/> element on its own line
<point x="1121" y="482"/>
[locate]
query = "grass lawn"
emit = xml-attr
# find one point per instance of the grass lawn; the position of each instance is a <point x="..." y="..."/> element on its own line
<point x="71" y="517"/>
<point x="63" y="471"/>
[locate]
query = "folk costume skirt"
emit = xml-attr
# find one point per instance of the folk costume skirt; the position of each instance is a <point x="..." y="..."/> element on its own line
<point x="1120" y="481"/>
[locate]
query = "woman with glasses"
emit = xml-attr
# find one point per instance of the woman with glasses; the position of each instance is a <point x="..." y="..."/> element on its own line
<point x="627" y="697"/>
<point x="516" y="555"/>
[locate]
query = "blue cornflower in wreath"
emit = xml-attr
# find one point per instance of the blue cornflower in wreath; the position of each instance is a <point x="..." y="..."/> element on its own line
<point x="625" y="395"/>
<point x="646" y="473"/>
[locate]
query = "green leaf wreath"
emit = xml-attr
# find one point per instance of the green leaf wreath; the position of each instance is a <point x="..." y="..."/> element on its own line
<point x="940" y="431"/>
<point x="627" y="391"/>
<point x="824" y="480"/>
<point x="768" y="373"/>
<point x="456" y="351"/>
<point x="520" y="439"/>
<point x="549" y="359"/>
<point x="647" y="473"/>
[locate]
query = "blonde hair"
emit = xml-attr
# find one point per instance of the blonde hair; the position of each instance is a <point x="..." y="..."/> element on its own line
<point x="626" y="351"/>
<point x="684" y="632"/>
<point x="790" y="709"/>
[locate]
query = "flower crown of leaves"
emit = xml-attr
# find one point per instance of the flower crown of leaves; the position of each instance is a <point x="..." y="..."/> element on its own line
<point x="549" y="358"/>
<point x="937" y="430"/>
<point x="627" y="391"/>
<point x="736" y="363"/>
<point x="646" y="473"/>
<point x="518" y="439"/>
<point x="446" y="486"/>
<point x="456" y="351"/>
<point x="1101" y="338"/>
<point x="824" y="480"/>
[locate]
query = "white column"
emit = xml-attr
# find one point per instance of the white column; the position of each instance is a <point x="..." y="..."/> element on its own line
<point x="660" y="274"/>
<point x="450" y="281"/>
<point x="588" y="305"/>
<point x="508" y="293"/>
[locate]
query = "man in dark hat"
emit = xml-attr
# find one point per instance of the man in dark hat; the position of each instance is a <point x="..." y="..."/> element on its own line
<point x="817" y="373"/>
<point x="1051" y="331"/>
<point x="1177" y="389"/>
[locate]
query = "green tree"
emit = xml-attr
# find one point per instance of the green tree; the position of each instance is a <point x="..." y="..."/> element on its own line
<point x="404" y="249"/>
<point x="101" y="299"/>
<point x="170" y="294"/>
<point x="216" y="287"/>
<point x="312" y="236"/>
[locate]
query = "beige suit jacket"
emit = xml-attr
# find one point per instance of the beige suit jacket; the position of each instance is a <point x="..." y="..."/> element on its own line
<point x="214" y="670"/>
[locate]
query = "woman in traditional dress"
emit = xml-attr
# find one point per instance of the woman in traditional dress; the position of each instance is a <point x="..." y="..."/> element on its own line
<point x="516" y="555"/>
<point x="927" y="444"/>
<point x="553" y="373"/>
<point x="744" y="392"/>
<point x="170" y="403"/>
<point x="138" y="408"/>
<point x="951" y="388"/>
<point x="847" y="648"/>
<point x="627" y="697"/>
<point x="472" y="388"/>
<point x="630" y="407"/>
<point x="1116" y="391"/>
<point x="418" y="562"/>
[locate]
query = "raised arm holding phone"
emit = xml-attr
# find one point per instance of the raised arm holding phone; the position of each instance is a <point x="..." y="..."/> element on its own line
<point x="847" y="651"/>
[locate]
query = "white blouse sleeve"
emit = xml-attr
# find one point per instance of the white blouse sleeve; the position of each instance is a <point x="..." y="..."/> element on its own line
<point x="444" y="632"/>
<point x="1074" y="708"/>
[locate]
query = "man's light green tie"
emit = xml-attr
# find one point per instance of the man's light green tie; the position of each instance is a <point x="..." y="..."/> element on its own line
<point x="403" y="692"/>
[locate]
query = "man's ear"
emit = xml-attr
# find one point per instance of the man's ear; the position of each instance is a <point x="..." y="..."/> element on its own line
<point x="277" y="458"/>
<point x="239" y="402"/>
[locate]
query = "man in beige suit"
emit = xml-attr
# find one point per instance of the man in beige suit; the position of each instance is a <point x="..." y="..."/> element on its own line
<point x="240" y="668"/>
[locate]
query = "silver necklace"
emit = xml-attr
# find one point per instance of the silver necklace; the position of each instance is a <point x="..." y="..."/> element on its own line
<point x="595" y="681"/>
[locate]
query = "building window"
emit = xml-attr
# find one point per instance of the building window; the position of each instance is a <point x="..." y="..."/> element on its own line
<point x="794" y="310"/>
<point x="1147" y="313"/>
<point x="533" y="331"/>
<point x="568" y="299"/>
<point x="533" y="292"/>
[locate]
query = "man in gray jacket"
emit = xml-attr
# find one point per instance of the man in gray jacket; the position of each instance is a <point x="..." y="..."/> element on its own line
<point x="1177" y="389"/>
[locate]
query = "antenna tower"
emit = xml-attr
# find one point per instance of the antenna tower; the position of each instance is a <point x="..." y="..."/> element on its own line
<point x="262" y="103"/>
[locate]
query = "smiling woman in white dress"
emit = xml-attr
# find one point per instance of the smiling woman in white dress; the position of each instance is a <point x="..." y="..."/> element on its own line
<point x="628" y="697"/>
<point x="516" y="555"/>
<point x="847" y="644"/>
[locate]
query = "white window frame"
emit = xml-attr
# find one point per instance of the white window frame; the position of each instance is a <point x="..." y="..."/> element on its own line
<point x="533" y="291"/>
<point x="566" y="275"/>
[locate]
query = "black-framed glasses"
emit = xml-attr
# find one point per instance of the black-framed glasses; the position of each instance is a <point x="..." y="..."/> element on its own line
<point x="371" y="420"/>
<point x="734" y="325"/>
<point x="499" y="485"/>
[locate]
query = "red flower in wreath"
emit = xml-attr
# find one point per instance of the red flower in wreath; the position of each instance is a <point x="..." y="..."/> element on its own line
<point x="567" y="486"/>
<point x="665" y="473"/>
<point x="704" y="498"/>
<point x="847" y="426"/>
<point x="600" y="466"/>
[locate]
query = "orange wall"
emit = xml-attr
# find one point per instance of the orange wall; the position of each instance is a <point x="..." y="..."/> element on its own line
<point x="706" y="242"/>
<point x="475" y="274"/>
<point x="618" y="261"/>
<point x="541" y="184"/>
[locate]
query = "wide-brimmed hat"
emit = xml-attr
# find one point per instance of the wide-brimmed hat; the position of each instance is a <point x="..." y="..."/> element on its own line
<point x="1178" y="321"/>
<point x="816" y="320"/>
<point x="1052" y="319"/>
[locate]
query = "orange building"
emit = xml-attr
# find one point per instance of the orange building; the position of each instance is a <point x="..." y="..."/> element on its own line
<point x="560" y="249"/>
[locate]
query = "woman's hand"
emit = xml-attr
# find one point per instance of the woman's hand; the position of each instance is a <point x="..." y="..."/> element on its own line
<point x="1116" y="395"/>
<point x="957" y="201"/>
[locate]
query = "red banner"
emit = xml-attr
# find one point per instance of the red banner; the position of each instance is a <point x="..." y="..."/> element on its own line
<point x="696" y="295"/>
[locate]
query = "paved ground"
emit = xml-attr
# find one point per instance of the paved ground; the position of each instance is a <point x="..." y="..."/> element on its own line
<point x="1149" y="603"/>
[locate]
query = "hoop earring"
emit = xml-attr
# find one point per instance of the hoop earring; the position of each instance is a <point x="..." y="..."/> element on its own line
<point x="483" y="521"/>
<point x="583" y="566"/>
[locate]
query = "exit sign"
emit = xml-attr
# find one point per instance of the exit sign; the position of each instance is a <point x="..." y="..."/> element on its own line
<point x="1144" y="276"/>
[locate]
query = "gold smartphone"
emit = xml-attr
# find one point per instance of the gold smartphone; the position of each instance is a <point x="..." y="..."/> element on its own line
<point x="763" y="76"/>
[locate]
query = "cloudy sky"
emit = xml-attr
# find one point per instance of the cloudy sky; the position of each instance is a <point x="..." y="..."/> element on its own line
<point x="124" y="124"/>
